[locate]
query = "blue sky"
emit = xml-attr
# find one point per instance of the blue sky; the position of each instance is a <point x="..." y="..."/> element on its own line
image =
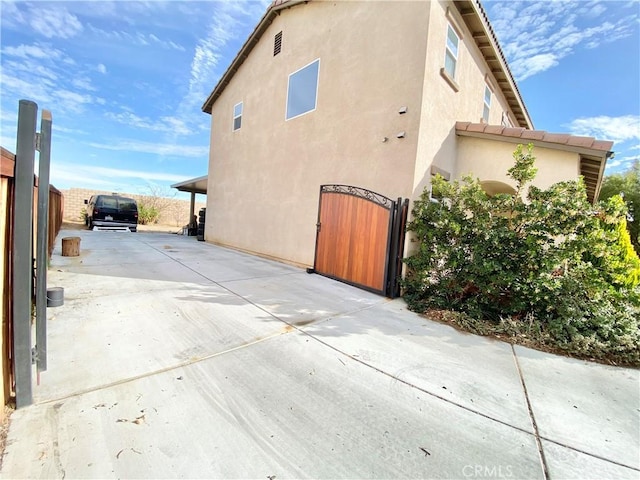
<point x="125" y="80"/>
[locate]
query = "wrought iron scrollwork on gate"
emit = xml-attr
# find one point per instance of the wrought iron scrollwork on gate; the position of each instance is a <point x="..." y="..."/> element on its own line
<point x="358" y="192"/>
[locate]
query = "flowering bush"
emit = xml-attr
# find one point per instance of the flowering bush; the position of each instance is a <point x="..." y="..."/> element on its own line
<point x="547" y="255"/>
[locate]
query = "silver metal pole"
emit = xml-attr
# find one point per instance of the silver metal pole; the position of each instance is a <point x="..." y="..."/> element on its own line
<point x="23" y="251"/>
<point x="42" y="245"/>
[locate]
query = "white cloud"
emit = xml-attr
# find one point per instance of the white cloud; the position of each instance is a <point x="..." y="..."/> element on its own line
<point x="137" y="38"/>
<point x="618" y="129"/>
<point x="155" y="148"/>
<point x="621" y="164"/>
<point x="83" y="83"/>
<point x="69" y="173"/>
<point x="166" y="124"/>
<point x="60" y="128"/>
<point x="228" y="19"/>
<point x="536" y="36"/>
<point x="101" y="68"/>
<point x="42" y="51"/>
<point x="54" y="22"/>
<point x="48" y="76"/>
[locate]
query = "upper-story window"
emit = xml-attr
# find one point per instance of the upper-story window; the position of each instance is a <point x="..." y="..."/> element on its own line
<point x="302" y="92"/>
<point x="487" y="104"/>
<point x="237" y="116"/>
<point x="451" y="52"/>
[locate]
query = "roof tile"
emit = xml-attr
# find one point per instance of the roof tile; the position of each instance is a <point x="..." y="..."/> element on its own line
<point x="541" y="135"/>
<point x="578" y="141"/>
<point x="604" y="145"/>
<point x="556" y="137"/>
<point x="494" y="129"/>
<point x="533" y="134"/>
<point x="476" y="127"/>
<point x="512" y="132"/>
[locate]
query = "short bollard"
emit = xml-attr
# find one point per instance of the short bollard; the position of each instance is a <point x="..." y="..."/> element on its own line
<point x="71" y="246"/>
<point x="55" y="296"/>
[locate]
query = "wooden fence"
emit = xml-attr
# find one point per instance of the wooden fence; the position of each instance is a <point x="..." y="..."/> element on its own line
<point x="56" y="210"/>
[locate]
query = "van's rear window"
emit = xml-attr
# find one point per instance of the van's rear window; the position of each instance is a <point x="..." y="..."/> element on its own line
<point x="108" y="202"/>
<point x="127" y="205"/>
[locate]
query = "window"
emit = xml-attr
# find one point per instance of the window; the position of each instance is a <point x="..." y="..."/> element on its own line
<point x="277" y="44"/>
<point x="451" y="53"/>
<point x="237" y="116"/>
<point x="302" y="92"/>
<point x="487" y="104"/>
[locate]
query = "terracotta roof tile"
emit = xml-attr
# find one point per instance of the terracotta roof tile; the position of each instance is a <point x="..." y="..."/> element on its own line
<point x="494" y="129"/>
<point x="556" y="137"/>
<point x="512" y="132"/>
<point x="533" y="134"/>
<point x="540" y="135"/>
<point x="603" y="145"/>
<point x="578" y="141"/>
<point x="476" y="127"/>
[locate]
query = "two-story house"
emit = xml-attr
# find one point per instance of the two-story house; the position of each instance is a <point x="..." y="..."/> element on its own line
<point x="377" y="96"/>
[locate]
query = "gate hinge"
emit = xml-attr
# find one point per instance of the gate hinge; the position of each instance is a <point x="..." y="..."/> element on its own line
<point x="318" y="225"/>
<point x="34" y="355"/>
<point x="38" y="141"/>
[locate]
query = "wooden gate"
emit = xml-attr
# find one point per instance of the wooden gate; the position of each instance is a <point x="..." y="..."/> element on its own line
<point x="360" y="238"/>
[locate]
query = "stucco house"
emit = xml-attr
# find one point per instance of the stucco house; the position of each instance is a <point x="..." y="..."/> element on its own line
<point x="335" y="112"/>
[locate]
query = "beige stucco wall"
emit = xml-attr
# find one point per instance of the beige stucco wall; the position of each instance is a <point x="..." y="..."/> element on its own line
<point x="375" y="57"/>
<point x="264" y="179"/>
<point x="490" y="159"/>
<point x="442" y="106"/>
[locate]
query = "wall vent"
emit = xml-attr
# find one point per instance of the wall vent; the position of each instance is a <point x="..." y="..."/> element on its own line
<point x="277" y="44"/>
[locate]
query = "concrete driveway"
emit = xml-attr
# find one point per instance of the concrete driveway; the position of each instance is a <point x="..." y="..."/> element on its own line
<point x="173" y="358"/>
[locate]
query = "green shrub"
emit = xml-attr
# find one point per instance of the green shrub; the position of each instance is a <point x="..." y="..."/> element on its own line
<point x="147" y="214"/>
<point x="554" y="259"/>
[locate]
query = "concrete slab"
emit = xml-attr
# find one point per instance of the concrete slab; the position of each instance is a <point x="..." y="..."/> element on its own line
<point x="475" y="372"/>
<point x="302" y="298"/>
<point x="200" y="361"/>
<point x="287" y="407"/>
<point x="587" y="406"/>
<point x="115" y="335"/>
<point x="568" y="464"/>
<point x="238" y="268"/>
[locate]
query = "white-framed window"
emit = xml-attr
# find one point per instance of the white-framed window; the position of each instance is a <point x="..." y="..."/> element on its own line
<point x="487" y="104"/>
<point x="451" y="52"/>
<point x="302" y="91"/>
<point x="237" y="116"/>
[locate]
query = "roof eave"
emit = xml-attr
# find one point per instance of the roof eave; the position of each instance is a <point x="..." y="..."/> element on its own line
<point x="248" y="45"/>
<point x="191" y="185"/>
<point x="487" y="42"/>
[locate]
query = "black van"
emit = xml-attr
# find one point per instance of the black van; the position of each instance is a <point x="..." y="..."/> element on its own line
<point x="112" y="211"/>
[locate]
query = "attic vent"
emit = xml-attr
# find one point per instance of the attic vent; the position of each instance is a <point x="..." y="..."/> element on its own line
<point x="277" y="43"/>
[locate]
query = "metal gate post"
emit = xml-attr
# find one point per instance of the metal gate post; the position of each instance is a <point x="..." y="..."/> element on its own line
<point x="397" y="247"/>
<point x="23" y="251"/>
<point x="42" y="244"/>
<point x="393" y="250"/>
